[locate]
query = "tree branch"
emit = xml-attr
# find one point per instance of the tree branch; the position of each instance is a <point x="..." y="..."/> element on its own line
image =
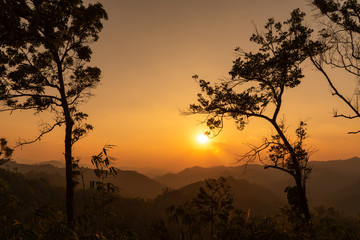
<point x="356" y="132"/>
<point x="335" y="91"/>
<point x="280" y="168"/>
<point x="43" y="132"/>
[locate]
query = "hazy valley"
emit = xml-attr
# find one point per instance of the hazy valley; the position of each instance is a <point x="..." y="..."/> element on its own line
<point x="332" y="184"/>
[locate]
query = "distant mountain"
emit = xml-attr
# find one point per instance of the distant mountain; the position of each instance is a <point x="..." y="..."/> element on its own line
<point x="27" y="194"/>
<point x="253" y="173"/>
<point x="130" y="183"/>
<point x="346" y="199"/>
<point x="332" y="183"/>
<point x="246" y="196"/>
<point x="25" y="168"/>
<point x="327" y="177"/>
<point x="147" y="171"/>
<point x="55" y="163"/>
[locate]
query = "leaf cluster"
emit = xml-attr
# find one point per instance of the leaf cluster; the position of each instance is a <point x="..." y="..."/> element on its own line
<point x="344" y="13"/>
<point x="103" y="168"/>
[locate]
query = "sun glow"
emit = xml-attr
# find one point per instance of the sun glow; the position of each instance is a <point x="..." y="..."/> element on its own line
<point x="202" y="139"/>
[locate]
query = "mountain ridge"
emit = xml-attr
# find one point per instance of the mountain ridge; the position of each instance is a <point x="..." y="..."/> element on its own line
<point x="130" y="183"/>
<point x="258" y="199"/>
<point x="332" y="183"/>
<point x="326" y="181"/>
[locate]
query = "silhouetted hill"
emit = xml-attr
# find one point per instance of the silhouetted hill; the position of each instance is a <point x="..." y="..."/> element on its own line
<point x="55" y="163"/>
<point x="343" y="192"/>
<point x="130" y="183"/>
<point x="332" y="183"/>
<point x="332" y="176"/>
<point x="346" y="199"/>
<point x="26" y="168"/>
<point x="246" y="195"/>
<point x="327" y="177"/>
<point x="253" y="173"/>
<point x="147" y="171"/>
<point x="29" y="193"/>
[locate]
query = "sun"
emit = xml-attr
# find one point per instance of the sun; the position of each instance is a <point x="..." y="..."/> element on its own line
<point x="202" y="139"/>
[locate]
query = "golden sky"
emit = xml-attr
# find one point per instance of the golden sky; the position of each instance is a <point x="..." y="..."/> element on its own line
<point x="148" y="51"/>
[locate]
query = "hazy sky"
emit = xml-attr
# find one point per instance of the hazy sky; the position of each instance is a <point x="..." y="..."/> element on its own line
<point x="148" y="51"/>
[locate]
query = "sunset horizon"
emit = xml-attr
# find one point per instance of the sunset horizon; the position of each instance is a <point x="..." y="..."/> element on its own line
<point x="146" y="85"/>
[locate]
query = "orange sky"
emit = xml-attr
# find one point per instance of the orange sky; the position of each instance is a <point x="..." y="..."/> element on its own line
<point x="148" y="51"/>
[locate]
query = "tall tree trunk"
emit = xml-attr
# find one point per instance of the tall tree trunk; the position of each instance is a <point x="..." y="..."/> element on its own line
<point x="69" y="123"/>
<point x="303" y="199"/>
<point x="69" y="174"/>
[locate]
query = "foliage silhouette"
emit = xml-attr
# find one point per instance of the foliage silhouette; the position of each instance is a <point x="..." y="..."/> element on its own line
<point x="99" y="209"/>
<point x="5" y="151"/>
<point x="43" y="66"/>
<point x="214" y="204"/>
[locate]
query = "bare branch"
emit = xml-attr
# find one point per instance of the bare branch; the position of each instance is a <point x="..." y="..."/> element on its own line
<point x="335" y="91"/>
<point x="254" y="153"/>
<point x="345" y="116"/>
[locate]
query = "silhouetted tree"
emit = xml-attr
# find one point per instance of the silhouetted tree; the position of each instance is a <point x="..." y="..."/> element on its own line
<point x="187" y="220"/>
<point x="44" y="51"/>
<point x="264" y="77"/>
<point x="214" y="204"/>
<point x="207" y="216"/>
<point x="5" y="151"/>
<point x="341" y="39"/>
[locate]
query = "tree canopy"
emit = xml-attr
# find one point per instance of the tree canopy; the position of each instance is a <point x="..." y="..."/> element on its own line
<point x="44" y="52"/>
